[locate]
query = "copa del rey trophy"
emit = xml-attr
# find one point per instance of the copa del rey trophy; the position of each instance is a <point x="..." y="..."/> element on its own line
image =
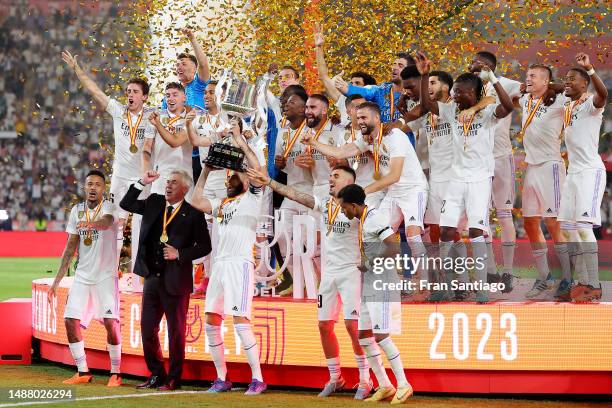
<point x="237" y="98"/>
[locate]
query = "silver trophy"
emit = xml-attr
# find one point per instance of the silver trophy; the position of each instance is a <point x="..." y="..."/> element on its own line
<point x="239" y="97"/>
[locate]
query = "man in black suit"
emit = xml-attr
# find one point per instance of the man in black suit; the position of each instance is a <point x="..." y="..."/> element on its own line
<point x="172" y="235"/>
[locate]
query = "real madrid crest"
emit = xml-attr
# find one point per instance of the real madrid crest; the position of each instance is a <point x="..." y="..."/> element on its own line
<point x="384" y="148"/>
<point x="347" y="136"/>
<point x="81" y="214"/>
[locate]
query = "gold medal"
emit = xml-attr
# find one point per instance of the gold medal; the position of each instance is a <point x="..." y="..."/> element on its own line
<point x="219" y="219"/>
<point x="163" y="238"/>
<point x="87" y="241"/>
<point x="133" y="148"/>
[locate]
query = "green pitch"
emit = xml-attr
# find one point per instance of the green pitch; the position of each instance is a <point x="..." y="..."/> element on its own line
<point x="97" y="394"/>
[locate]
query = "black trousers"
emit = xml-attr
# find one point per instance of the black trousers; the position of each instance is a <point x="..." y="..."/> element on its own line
<point x="156" y="302"/>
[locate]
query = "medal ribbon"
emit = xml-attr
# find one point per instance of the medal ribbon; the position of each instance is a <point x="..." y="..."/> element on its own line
<point x="316" y="136"/>
<point x="392" y="98"/>
<point x="96" y="212"/>
<point x="362" y="219"/>
<point x="174" y="212"/>
<point x="293" y="139"/>
<point x="225" y="201"/>
<point x="531" y="113"/>
<point x="134" y="129"/>
<point x="332" y="212"/>
<point x="466" y="131"/>
<point x="353" y="138"/>
<point x="567" y="117"/>
<point x="377" y="151"/>
<point x="174" y="120"/>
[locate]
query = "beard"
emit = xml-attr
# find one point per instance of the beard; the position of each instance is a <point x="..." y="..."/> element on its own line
<point x="313" y="121"/>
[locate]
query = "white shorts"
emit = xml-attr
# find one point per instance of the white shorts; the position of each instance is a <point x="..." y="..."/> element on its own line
<point x="409" y="208"/>
<point x="118" y="187"/>
<point x="230" y="288"/>
<point x="542" y="189"/>
<point x="339" y="288"/>
<point x="471" y="198"/>
<point x="434" y="201"/>
<point x="373" y="200"/>
<point x="504" y="183"/>
<point x="381" y="317"/>
<point x="97" y="300"/>
<point x="582" y="195"/>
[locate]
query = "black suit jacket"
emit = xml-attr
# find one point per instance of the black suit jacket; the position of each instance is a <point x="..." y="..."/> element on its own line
<point x="187" y="232"/>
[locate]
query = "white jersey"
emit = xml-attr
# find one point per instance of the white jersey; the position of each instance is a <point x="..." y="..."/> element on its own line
<point x="582" y="136"/>
<point x="127" y="164"/>
<point x="207" y="125"/>
<point x="439" y="136"/>
<point x="297" y="177"/>
<point x="238" y="224"/>
<point x="472" y="153"/>
<point x="365" y="164"/>
<point x="260" y="148"/>
<point x="396" y="144"/>
<point x="502" y="145"/>
<point x="97" y="261"/>
<point x="321" y="170"/>
<point x="341" y="245"/>
<point x="166" y="158"/>
<point x="542" y="139"/>
<point x="420" y="143"/>
<point x="375" y="226"/>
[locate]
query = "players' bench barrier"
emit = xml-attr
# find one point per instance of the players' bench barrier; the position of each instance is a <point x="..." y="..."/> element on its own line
<point x="493" y="348"/>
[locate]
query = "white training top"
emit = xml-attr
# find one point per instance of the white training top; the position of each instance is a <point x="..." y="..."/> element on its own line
<point x="341" y="246"/>
<point x="97" y="261"/>
<point x="472" y="153"/>
<point x="396" y="144"/>
<point x="438" y="134"/>
<point x="330" y="135"/>
<point x="502" y="145"/>
<point x="582" y="136"/>
<point x="127" y="164"/>
<point x="166" y="158"/>
<point x="542" y="139"/>
<point x="297" y="177"/>
<point x="207" y="125"/>
<point x="237" y="227"/>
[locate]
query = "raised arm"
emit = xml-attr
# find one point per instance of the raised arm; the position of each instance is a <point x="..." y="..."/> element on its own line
<point x="90" y="86"/>
<point x="203" y="67"/>
<point x="69" y="250"/>
<point x="601" y="92"/>
<point x="328" y="83"/>
<point x="252" y="160"/>
<point x="424" y="66"/>
<point x="260" y="178"/>
<point x="173" y="140"/>
<point x="506" y="105"/>
<point x="337" y="152"/>
<point x="130" y="201"/>
<point x="146" y="162"/>
<point x="197" y="198"/>
<point x="466" y="114"/>
<point x="104" y="223"/>
<point x="395" y="172"/>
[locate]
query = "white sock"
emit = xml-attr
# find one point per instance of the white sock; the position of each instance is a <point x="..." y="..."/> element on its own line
<point x="78" y="354"/>
<point x="333" y="365"/>
<point x="563" y="254"/>
<point x="574" y="247"/>
<point x="217" y="349"/>
<point x="418" y="250"/>
<point x="491" y="265"/>
<point x="590" y="250"/>
<point x="508" y="238"/>
<point x="372" y="352"/>
<point x="393" y="355"/>
<point x="479" y="250"/>
<point x="445" y="247"/>
<point x="249" y="344"/>
<point x="114" y="352"/>
<point x="459" y="251"/>
<point x="541" y="262"/>
<point x="364" y="368"/>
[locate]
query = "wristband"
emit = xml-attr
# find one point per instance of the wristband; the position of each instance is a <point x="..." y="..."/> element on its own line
<point x="591" y="71"/>
<point x="141" y="183"/>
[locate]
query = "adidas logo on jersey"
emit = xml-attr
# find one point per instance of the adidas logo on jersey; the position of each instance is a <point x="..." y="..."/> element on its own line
<point x="376" y="327"/>
<point x="585" y="214"/>
<point x="235" y="308"/>
<point x="481" y="222"/>
<point x="109" y="312"/>
<point x="354" y="313"/>
<point x="549" y="210"/>
<point x="411" y="218"/>
<point x="508" y="202"/>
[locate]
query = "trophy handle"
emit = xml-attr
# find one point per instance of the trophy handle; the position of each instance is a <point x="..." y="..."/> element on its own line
<point x="225" y="81"/>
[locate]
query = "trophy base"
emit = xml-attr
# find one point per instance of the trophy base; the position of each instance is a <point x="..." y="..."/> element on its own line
<point x="225" y="156"/>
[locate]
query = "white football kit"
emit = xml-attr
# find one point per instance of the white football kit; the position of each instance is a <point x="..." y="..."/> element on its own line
<point x="231" y="285"/>
<point x="407" y="198"/>
<point x="379" y="313"/>
<point x="127" y="164"/>
<point x="545" y="172"/>
<point x="207" y="125"/>
<point x="340" y="277"/>
<point x="329" y="135"/>
<point x="95" y="290"/>
<point x="469" y="189"/>
<point x="586" y="176"/>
